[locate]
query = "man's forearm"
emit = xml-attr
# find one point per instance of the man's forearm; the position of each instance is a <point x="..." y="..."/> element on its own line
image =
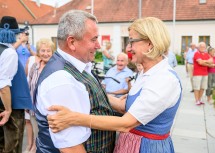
<point x="117" y="104"/>
<point x="76" y="149"/>
<point x="206" y="64"/>
<point x="6" y="98"/>
<point x="120" y="92"/>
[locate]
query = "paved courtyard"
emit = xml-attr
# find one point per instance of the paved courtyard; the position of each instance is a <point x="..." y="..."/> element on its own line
<point x="194" y="127"/>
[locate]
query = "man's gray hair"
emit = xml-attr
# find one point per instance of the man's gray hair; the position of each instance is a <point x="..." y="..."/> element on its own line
<point x="124" y="55"/>
<point x="73" y="23"/>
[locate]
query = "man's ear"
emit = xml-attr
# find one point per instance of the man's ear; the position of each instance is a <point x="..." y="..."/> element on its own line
<point x="70" y="42"/>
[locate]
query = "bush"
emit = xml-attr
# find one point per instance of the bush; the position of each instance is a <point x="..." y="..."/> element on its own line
<point x="180" y="59"/>
<point x="98" y="57"/>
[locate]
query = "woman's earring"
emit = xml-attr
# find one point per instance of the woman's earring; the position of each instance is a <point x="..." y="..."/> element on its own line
<point x="150" y="50"/>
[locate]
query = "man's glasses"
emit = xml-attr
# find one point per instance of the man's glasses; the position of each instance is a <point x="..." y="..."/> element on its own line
<point x="130" y="41"/>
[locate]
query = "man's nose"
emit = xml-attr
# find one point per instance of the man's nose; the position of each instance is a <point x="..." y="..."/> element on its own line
<point x="98" y="46"/>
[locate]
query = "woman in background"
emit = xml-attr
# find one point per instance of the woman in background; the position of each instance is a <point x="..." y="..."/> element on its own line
<point x="108" y="57"/>
<point x="211" y="76"/>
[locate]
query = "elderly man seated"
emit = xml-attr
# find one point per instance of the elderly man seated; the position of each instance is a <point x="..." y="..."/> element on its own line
<point x="115" y="78"/>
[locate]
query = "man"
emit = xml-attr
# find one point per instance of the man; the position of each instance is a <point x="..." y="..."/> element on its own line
<point x="189" y="60"/>
<point x="67" y="80"/>
<point x="115" y="79"/>
<point x="14" y="91"/>
<point x="201" y="62"/>
<point x="25" y="50"/>
<point x="172" y="59"/>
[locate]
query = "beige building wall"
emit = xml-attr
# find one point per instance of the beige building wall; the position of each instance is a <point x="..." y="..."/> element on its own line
<point x="43" y="31"/>
<point x="118" y="31"/>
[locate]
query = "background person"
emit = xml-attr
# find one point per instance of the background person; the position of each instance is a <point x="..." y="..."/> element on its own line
<point x="14" y="91"/>
<point x="25" y="50"/>
<point x="189" y="60"/>
<point x="185" y="61"/>
<point x="147" y="121"/>
<point x="130" y="65"/>
<point x="172" y="59"/>
<point x="132" y="79"/>
<point x="107" y="56"/>
<point x="140" y="70"/>
<point x="211" y="75"/>
<point x="119" y="72"/>
<point x="45" y="49"/>
<point x="201" y="62"/>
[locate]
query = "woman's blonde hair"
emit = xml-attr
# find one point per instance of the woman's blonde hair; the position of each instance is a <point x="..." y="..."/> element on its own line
<point x="47" y="42"/>
<point x="108" y="44"/>
<point x="154" y="30"/>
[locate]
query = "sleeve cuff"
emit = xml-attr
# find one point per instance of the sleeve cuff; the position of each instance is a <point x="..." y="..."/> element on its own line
<point x="4" y="83"/>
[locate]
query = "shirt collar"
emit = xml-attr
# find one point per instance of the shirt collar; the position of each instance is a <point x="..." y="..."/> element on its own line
<point x="157" y="67"/>
<point x="75" y="62"/>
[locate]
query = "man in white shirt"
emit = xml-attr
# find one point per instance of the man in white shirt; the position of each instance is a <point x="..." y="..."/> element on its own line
<point x="14" y="91"/>
<point x="189" y="59"/>
<point x="67" y="80"/>
<point x="172" y="59"/>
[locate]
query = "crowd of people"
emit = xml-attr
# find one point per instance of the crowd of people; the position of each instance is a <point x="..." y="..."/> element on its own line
<point x="200" y="66"/>
<point x="66" y="108"/>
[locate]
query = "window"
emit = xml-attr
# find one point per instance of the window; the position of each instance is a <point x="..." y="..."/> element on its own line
<point x="185" y="44"/>
<point x="186" y="40"/>
<point x="202" y="1"/>
<point x="124" y="43"/>
<point x="205" y="39"/>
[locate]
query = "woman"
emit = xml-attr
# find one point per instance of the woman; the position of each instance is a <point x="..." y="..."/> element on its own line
<point x="45" y="49"/>
<point x="108" y="57"/>
<point x="151" y="104"/>
<point x="211" y="76"/>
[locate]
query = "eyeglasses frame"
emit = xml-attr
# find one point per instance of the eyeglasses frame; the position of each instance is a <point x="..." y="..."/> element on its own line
<point x="130" y="41"/>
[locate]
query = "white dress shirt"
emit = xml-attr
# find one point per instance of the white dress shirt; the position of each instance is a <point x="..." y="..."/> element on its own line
<point x="160" y="90"/>
<point x="8" y="66"/>
<point x="61" y="88"/>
